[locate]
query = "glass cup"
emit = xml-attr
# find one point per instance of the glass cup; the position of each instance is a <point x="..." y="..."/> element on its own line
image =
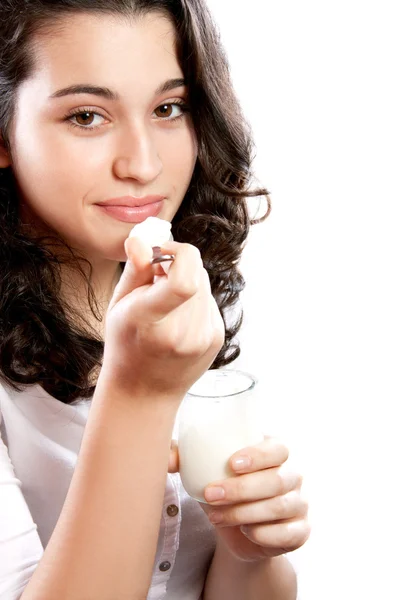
<point x="217" y="418"/>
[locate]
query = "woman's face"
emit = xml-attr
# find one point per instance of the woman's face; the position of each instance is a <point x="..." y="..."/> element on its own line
<point x="137" y="147"/>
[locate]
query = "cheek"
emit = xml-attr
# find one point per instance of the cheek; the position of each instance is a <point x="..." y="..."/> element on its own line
<point x="51" y="173"/>
<point x="51" y="188"/>
<point x="179" y="155"/>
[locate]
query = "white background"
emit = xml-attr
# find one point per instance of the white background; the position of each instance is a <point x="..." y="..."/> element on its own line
<point x="319" y="83"/>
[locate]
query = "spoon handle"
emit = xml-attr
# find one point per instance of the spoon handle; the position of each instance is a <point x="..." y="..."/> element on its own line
<point x="159" y="258"/>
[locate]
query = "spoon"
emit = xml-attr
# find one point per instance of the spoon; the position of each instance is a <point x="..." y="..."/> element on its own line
<point x="158" y="257"/>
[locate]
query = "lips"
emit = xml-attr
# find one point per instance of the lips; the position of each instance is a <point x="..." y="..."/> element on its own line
<point x="133" y="213"/>
<point x="132" y="201"/>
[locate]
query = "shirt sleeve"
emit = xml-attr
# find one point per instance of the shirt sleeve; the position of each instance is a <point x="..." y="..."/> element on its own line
<point x="20" y="545"/>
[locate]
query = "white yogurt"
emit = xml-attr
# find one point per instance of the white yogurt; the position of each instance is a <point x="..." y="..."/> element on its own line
<point x="211" y="429"/>
<point x="153" y="231"/>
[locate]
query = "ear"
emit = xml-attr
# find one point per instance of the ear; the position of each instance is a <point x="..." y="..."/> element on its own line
<point x="5" y="160"/>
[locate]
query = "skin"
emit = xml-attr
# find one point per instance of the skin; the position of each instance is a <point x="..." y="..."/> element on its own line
<point x="261" y="512"/>
<point x="133" y="151"/>
<point x="62" y="171"/>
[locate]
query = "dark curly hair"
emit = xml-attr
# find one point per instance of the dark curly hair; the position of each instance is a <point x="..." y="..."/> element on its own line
<point x="42" y="340"/>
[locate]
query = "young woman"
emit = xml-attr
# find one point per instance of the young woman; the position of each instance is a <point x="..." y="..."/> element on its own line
<point x="111" y="111"/>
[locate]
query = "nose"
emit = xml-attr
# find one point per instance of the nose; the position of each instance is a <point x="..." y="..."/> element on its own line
<point x="137" y="156"/>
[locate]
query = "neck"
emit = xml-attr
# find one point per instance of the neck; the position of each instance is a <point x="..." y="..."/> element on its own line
<point x="74" y="292"/>
<point x="74" y="283"/>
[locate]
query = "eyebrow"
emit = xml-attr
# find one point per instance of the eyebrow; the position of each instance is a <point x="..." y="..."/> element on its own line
<point x="105" y="92"/>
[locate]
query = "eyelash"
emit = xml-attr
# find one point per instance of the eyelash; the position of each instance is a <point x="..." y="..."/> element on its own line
<point x="184" y="107"/>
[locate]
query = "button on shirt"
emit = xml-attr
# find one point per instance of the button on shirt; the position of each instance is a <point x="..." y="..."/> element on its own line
<point x="172" y="510"/>
<point x="40" y="438"/>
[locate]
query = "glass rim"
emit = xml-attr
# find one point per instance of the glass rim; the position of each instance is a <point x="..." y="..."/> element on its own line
<point x="253" y="380"/>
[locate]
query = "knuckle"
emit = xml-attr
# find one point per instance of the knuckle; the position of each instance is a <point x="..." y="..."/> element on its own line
<point x="183" y="348"/>
<point x="294" y="535"/>
<point x="279" y="448"/>
<point x="258" y="534"/>
<point x="263" y="455"/>
<point x="251" y="513"/>
<point x="306" y="532"/>
<point x="280" y="486"/>
<point x="302" y="505"/>
<point x="192" y="251"/>
<point x="289" y="538"/>
<point x="170" y="343"/>
<point x="185" y="289"/>
<point x="281" y="507"/>
<point x="286" y="481"/>
<point x="232" y="517"/>
<point x="164" y="348"/>
<point x="284" y="451"/>
<point x="294" y="481"/>
<point x="193" y="352"/>
<point x="239" y="489"/>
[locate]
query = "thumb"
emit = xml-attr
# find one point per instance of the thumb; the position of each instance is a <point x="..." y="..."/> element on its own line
<point x="138" y="269"/>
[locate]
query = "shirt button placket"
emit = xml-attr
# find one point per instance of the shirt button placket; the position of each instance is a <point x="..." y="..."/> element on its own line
<point x="168" y="541"/>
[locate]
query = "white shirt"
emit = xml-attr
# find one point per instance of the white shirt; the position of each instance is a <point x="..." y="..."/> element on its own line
<point x="40" y="438"/>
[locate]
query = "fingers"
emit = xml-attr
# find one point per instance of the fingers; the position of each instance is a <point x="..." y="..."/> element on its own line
<point x="168" y="287"/>
<point x="138" y="270"/>
<point x="183" y="280"/>
<point x="279" y="508"/>
<point x="269" y="453"/>
<point x="252" y="486"/>
<point x="280" y="537"/>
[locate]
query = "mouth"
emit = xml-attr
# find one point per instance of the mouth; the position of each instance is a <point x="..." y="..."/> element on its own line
<point x="132" y="213"/>
<point x="132" y="201"/>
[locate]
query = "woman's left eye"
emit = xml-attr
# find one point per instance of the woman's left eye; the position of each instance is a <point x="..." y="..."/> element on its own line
<point x="170" y="111"/>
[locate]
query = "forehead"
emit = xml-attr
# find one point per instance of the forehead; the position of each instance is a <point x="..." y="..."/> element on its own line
<point x="107" y="49"/>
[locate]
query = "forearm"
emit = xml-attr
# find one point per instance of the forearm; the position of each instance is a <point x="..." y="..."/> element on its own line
<point x="228" y="577"/>
<point x="103" y="546"/>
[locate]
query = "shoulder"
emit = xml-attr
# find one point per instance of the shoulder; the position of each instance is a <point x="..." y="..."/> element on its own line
<point x="7" y="398"/>
<point x="4" y="391"/>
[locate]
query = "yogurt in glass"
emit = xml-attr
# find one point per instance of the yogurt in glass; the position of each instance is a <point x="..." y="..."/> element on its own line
<point x="217" y="418"/>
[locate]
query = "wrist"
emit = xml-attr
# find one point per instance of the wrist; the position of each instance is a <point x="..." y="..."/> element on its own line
<point x="127" y="392"/>
<point x="229" y="576"/>
<point x="223" y="551"/>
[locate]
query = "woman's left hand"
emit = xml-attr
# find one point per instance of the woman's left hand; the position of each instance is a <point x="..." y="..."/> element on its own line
<point x="262" y="513"/>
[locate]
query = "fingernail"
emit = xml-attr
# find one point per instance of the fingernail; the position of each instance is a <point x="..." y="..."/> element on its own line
<point x="245" y="530"/>
<point x="242" y="462"/>
<point x="214" y="493"/>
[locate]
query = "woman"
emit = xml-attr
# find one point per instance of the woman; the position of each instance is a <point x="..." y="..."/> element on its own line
<point x="112" y="111"/>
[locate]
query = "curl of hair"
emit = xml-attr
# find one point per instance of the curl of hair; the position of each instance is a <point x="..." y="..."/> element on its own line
<point x="42" y="339"/>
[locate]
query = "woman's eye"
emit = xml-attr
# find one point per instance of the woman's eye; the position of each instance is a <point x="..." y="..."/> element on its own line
<point x="85" y="119"/>
<point x="169" y="111"/>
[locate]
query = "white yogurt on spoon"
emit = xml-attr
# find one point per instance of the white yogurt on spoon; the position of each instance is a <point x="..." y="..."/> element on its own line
<point x="153" y="231"/>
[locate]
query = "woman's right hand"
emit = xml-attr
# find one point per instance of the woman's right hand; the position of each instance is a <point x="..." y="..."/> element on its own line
<point x="162" y="334"/>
